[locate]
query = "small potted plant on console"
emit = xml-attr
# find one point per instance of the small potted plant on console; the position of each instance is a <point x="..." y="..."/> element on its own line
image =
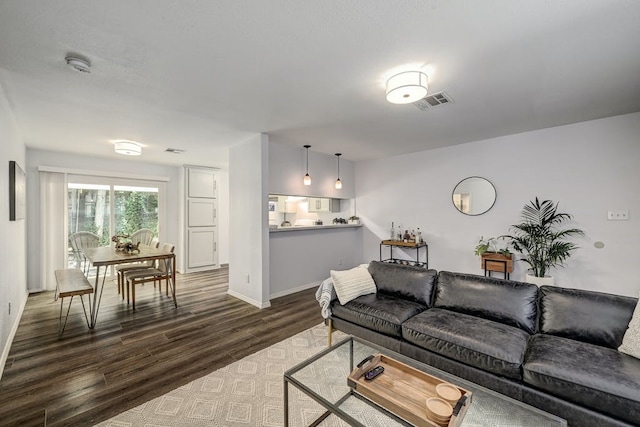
<point x="354" y="219"/>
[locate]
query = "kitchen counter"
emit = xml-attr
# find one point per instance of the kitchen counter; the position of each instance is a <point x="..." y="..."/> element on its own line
<point x="312" y="227"/>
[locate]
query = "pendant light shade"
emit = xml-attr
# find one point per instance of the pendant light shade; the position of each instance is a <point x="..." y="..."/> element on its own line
<point x="407" y="87"/>
<point x="307" y="178"/>
<point x="338" y="182"/>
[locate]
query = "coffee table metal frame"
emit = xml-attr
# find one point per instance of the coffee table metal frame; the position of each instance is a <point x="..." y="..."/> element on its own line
<point x="334" y="408"/>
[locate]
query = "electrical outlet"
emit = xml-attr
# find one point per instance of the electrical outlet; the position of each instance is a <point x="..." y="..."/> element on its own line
<point x="618" y="215"/>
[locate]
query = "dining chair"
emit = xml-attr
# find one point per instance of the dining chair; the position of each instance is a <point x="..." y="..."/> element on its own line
<point x="144" y="236"/>
<point x="123" y="268"/>
<point x="80" y="241"/>
<point x="162" y="271"/>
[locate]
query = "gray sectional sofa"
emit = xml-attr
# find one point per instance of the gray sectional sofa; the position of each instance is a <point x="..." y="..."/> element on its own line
<point x="553" y="348"/>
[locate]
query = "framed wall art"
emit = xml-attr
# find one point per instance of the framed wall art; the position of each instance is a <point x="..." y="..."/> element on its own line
<point x="17" y="192"/>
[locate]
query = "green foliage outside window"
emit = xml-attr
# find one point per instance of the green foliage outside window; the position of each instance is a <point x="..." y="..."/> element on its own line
<point x="136" y="210"/>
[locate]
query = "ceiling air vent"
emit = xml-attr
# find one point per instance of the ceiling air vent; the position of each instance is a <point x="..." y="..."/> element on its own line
<point x="432" y="101"/>
<point x="174" y="150"/>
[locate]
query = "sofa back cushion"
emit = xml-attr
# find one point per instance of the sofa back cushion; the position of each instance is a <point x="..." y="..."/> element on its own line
<point x="588" y="316"/>
<point x="412" y="283"/>
<point x="504" y="301"/>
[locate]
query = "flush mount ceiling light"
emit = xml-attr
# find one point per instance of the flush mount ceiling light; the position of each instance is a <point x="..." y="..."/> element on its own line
<point x="406" y="87"/>
<point x="307" y="178"/>
<point x="79" y="64"/>
<point x="338" y="182"/>
<point x="127" y="148"/>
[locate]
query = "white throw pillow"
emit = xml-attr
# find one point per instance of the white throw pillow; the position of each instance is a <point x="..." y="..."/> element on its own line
<point x="631" y="340"/>
<point x="351" y="284"/>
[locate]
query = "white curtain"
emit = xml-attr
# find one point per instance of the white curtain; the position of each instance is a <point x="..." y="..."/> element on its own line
<point x="53" y="227"/>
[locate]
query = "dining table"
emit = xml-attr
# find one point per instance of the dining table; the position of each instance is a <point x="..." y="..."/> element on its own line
<point x="106" y="256"/>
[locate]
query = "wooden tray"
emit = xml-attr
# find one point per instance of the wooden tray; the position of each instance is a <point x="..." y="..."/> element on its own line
<point x="404" y="390"/>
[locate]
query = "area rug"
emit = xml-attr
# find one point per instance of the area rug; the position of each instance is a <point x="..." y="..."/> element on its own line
<point x="248" y="392"/>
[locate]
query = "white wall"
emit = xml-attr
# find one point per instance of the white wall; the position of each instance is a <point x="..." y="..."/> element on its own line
<point x="223" y="216"/>
<point x="589" y="167"/>
<point x="248" y="200"/>
<point x="302" y="259"/>
<point x="36" y="158"/>
<point x="287" y="167"/>
<point x="13" y="252"/>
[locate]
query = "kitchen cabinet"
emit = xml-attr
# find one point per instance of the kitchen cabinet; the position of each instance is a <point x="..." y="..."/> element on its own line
<point x="286" y="207"/>
<point x="317" y="204"/>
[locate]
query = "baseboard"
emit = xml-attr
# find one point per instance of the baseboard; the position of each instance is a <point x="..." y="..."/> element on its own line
<point x="12" y="334"/>
<point x="294" y="290"/>
<point x="249" y="300"/>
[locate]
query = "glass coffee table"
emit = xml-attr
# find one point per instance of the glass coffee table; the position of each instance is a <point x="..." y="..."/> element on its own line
<point x="323" y="378"/>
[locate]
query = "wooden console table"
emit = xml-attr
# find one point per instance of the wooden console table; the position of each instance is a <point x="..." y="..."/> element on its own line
<point x="408" y="245"/>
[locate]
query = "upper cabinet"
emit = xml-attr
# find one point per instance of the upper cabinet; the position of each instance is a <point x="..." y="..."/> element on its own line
<point x="317" y="204"/>
<point x="201" y="183"/>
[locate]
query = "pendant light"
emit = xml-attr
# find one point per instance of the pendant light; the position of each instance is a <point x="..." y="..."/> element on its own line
<point x="338" y="182"/>
<point x="307" y="178"/>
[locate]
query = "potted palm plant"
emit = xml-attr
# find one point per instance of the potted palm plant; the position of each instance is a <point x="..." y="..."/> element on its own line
<point x="493" y="257"/>
<point x="541" y="240"/>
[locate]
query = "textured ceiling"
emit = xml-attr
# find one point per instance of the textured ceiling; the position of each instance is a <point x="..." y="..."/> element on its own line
<point x="201" y="75"/>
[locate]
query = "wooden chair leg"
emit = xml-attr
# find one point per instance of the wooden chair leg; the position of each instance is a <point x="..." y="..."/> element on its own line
<point x="133" y="293"/>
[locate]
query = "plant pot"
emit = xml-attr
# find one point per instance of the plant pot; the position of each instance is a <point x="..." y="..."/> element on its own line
<point x="540" y="281"/>
<point x="354" y="221"/>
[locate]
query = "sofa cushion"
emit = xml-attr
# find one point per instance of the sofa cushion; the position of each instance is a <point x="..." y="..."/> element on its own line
<point x="350" y="284"/>
<point x="504" y="301"/>
<point x="484" y="344"/>
<point x="593" y="317"/>
<point x="378" y="312"/>
<point x="586" y="374"/>
<point x="412" y="283"/>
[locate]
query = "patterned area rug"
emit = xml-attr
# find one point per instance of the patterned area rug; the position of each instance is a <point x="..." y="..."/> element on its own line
<point x="249" y="392"/>
<point x="245" y="393"/>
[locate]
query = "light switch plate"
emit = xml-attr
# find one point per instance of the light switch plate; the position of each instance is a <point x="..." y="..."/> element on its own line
<point x="618" y="215"/>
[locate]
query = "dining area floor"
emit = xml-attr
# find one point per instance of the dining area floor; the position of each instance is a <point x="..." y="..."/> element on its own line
<point x="86" y="376"/>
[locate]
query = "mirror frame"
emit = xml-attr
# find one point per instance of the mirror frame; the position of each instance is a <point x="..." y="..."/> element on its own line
<point x="495" y="195"/>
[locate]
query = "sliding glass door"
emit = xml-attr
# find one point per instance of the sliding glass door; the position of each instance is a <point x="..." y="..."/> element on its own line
<point x="106" y="207"/>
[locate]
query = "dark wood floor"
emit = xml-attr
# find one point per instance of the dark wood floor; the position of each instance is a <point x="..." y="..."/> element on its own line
<point x="88" y="376"/>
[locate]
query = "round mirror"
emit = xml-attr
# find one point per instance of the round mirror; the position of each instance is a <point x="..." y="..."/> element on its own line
<point x="474" y="195"/>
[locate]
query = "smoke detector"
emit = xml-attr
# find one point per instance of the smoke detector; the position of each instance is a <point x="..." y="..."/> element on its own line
<point x="79" y="64"/>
